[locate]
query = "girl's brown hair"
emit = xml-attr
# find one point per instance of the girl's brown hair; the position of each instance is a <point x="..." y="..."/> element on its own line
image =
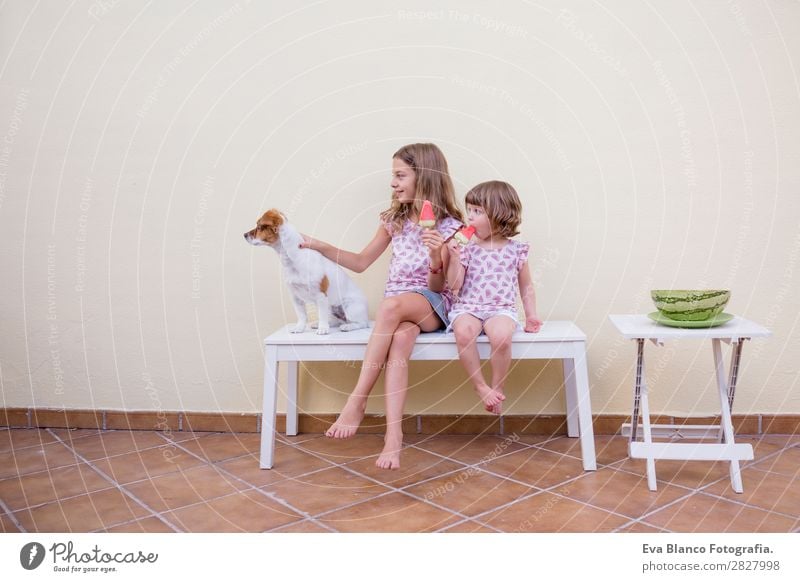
<point x="502" y="205"/>
<point x="433" y="183"/>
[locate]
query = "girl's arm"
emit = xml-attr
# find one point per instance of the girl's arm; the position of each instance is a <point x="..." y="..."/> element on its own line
<point x="357" y="262"/>
<point x="435" y="243"/>
<point x="528" y="293"/>
<point x="455" y="270"/>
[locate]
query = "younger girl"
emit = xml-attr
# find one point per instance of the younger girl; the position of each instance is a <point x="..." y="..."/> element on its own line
<point x="486" y="276"/>
<point x="415" y="298"/>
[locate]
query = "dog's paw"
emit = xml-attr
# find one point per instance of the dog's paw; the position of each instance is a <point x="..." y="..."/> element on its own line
<point x="299" y="328"/>
<point x="323" y="329"/>
<point x="351" y="326"/>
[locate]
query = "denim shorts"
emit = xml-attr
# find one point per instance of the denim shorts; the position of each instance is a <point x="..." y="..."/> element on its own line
<point x="437" y="303"/>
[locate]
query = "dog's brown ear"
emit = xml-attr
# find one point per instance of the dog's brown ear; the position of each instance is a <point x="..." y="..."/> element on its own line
<point x="273" y="218"/>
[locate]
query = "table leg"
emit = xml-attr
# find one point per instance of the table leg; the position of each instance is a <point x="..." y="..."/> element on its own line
<point x="647" y="435"/>
<point x="734" y="372"/>
<point x="637" y="390"/>
<point x="725" y="417"/>
<point x="733" y="377"/>
<point x="291" y="399"/>
<point x="269" y="406"/>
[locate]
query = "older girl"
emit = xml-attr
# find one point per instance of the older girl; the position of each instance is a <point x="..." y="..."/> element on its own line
<point x="415" y="298"/>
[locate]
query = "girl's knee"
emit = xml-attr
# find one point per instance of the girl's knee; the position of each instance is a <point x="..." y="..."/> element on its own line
<point x="465" y="333"/>
<point x="389" y="309"/>
<point x="500" y="341"/>
<point x="404" y="340"/>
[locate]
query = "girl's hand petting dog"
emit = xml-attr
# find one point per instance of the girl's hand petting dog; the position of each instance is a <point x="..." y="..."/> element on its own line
<point x="310" y="243"/>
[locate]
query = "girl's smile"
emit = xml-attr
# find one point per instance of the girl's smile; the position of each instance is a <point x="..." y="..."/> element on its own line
<point x="404" y="181"/>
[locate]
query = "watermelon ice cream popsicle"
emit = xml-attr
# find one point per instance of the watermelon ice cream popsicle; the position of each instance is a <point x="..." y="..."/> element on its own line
<point x="462" y="236"/>
<point x="427" y="219"/>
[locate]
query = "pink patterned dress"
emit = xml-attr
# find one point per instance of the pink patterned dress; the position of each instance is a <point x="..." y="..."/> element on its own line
<point x="408" y="270"/>
<point x="491" y="281"/>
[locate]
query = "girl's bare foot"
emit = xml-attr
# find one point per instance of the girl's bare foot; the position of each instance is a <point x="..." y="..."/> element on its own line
<point x="390" y="455"/>
<point x="490" y="397"/>
<point x="497" y="408"/>
<point x="349" y="419"/>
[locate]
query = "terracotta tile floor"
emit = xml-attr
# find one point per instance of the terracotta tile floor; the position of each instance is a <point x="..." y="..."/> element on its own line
<point x="138" y="481"/>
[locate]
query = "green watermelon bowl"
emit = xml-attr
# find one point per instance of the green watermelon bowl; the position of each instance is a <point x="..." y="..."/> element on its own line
<point x="690" y="305"/>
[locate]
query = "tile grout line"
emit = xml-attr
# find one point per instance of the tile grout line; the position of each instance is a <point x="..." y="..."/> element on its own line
<point x="775" y="473"/>
<point x="13" y="449"/>
<point x="402" y="490"/>
<point x="660" y="480"/>
<point x="12" y="517"/>
<point x="470" y="520"/>
<point x="688" y="494"/>
<point x="251" y="487"/>
<point x="698" y="492"/>
<point x="637" y="521"/>
<point x="615" y="466"/>
<point x="121" y="488"/>
<point x="437" y="506"/>
<point x="549" y="489"/>
<point x="499" y="475"/>
<point x="747" y="465"/>
<point x="392" y="488"/>
<point x="743" y="504"/>
<point x="48" y="469"/>
<point x="63" y="499"/>
<point x="315" y="517"/>
<point x="307" y="520"/>
<point x="68" y="443"/>
<point x="473" y="466"/>
<point x="648" y="514"/>
<point x="214" y="464"/>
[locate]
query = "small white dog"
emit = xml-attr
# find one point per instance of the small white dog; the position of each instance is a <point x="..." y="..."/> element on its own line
<point x="311" y="277"/>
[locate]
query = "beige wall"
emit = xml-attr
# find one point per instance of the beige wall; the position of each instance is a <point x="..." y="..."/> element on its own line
<point x="656" y="145"/>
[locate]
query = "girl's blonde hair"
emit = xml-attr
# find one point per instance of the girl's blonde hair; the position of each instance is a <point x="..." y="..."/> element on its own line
<point x="433" y="183"/>
<point x="502" y="205"/>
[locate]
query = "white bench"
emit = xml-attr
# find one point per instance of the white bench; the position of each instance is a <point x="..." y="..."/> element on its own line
<point x="561" y="340"/>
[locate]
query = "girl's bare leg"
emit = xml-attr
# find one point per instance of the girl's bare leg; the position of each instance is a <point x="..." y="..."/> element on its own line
<point x="396" y="377"/>
<point x="467" y="329"/>
<point x="499" y="330"/>
<point x="411" y="307"/>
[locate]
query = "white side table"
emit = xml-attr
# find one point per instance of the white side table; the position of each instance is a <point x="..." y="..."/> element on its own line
<point x="735" y="332"/>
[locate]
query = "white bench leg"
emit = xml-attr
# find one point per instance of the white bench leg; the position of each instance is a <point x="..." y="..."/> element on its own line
<point x="269" y="407"/>
<point x="571" y="391"/>
<point x="579" y="418"/>
<point x="291" y="400"/>
<point x="584" y="406"/>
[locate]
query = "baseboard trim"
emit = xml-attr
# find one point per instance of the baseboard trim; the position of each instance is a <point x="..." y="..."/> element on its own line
<point x="542" y="424"/>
